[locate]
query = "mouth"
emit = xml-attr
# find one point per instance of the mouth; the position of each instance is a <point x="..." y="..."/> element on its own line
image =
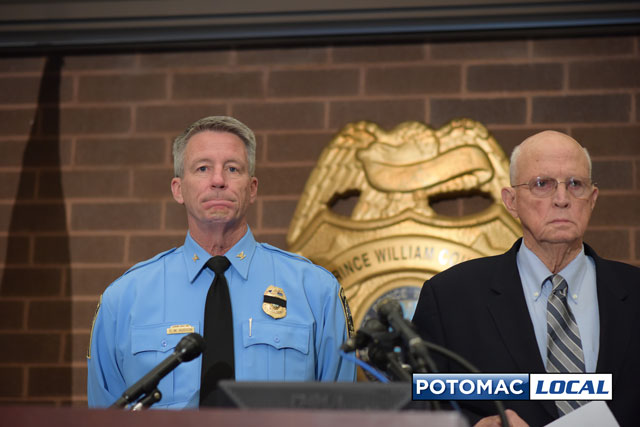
<point x="215" y="203"/>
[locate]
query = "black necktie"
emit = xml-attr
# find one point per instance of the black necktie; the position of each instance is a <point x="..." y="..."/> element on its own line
<point x="217" y="359"/>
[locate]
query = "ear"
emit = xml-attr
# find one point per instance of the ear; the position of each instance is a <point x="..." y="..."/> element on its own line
<point x="176" y="190"/>
<point x="509" y="200"/>
<point x="593" y="198"/>
<point x="253" y="189"/>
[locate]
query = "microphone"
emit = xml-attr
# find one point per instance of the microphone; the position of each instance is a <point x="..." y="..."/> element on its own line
<point x="390" y="313"/>
<point x="188" y="348"/>
<point x="371" y="330"/>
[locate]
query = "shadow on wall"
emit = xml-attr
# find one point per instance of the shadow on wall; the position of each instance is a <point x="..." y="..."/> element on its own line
<point x="34" y="287"/>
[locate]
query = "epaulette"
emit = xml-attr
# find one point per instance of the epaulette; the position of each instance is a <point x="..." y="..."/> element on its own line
<point x="150" y="260"/>
<point x="283" y="252"/>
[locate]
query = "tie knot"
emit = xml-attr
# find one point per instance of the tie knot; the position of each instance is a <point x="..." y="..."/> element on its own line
<point x="559" y="284"/>
<point x="218" y="264"/>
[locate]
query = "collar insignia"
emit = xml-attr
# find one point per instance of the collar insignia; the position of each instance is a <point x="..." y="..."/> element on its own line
<point x="241" y="255"/>
<point x="195" y="257"/>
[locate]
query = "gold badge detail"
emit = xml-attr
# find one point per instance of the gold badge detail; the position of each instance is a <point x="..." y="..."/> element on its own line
<point x="180" y="329"/>
<point x="275" y="302"/>
<point x="347" y="313"/>
<point x="241" y="255"/>
<point x="367" y="212"/>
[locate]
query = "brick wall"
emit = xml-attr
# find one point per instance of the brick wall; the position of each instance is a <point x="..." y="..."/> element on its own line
<point x="84" y="190"/>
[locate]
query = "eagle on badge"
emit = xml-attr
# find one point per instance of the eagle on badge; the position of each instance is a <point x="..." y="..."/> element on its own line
<point x="399" y="170"/>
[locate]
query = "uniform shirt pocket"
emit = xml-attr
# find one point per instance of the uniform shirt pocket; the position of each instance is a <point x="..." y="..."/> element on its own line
<point x="276" y="351"/>
<point x="150" y="345"/>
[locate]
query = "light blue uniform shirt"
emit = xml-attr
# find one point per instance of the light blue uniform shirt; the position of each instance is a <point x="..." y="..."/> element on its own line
<point x="131" y="335"/>
<point x="582" y="298"/>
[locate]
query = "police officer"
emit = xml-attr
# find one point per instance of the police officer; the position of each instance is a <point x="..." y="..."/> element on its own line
<point x="288" y="316"/>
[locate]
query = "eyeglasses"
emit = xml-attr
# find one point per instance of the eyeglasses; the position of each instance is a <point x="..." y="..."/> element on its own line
<point x="543" y="186"/>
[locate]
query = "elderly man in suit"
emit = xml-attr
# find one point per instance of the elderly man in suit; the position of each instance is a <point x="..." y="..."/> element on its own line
<point x="549" y="304"/>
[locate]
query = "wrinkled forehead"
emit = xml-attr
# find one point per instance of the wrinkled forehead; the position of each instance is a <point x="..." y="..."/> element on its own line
<point x="555" y="155"/>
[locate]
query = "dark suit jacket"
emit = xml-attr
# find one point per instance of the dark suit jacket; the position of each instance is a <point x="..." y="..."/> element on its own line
<point x="477" y="309"/>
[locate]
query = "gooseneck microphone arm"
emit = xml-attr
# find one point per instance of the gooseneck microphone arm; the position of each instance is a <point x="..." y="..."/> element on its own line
<point x="188" y="348"/>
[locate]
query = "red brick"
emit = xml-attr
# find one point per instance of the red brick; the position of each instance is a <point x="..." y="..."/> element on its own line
<point x="514" y="77"/>
<point x="319" y="83"/>
<point x="637" y="245"/>
<point x="378" y="53"/>
<point x="11" y="315"/>
<point x="152" y="183"/>
<point x="503" y="49"/>
<point x="450" y="207"/>
<point x="174" y="118"/>
<point x="278" y="240"/>
<point x="115" y="216"/>
<point x="278" y="213"/>
<point x="99" y="62"/>
<point x="82" y="313"/>
<point x="145" y="247"/>
<point x="91" y="249"/>
<point x="39" y="216"/>
<point x="475" y="203"/>
<point x="122" y="87"/>
<point x="76" y="120"/>
<point x="176" y="216"/>
<point x="20" y="185"/>
<point x="85" y="184"/>
<point x="12" y="379"/>
<point x="585" y="46"/>
<point x="21" y="63"/>
<point x="387" y="113"/>
<point x="297" y="146"/>
<point x="610" y="74"/>
<point x="17" y="90"/>
<point x="93" y="281"/>
<point x="413" y="80"/>
<point x="76" y="346"/>
<point x="487" y="111"/>
<point x="189" y="60"/>
<point x="619" y="210"/>
<point x="613" y="244"/>
<point x="285" y="56"/>
<point x="17" y="121"/>
<point x="581" y="108"/>
<point x="29" y="348"/>
<point x="603" y="141"/>
<point x="31" y="282"/>
<point x="281" y="115"/>
<point x="115" y="151"/>
<point x="14" y="249"/>
<point x="35" y="152"/>
<point x="218" y="85"/>
<point x="53" y="381"/>
<point x="282" y="179"/>
<point x="637" y="109"/>
<point x="613" y="175"/>
<point x="345" y="203"/>
<point x="49" y="315"/>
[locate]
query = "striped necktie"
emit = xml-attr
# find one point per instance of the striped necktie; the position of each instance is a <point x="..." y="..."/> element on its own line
<point x="564" y="347"/>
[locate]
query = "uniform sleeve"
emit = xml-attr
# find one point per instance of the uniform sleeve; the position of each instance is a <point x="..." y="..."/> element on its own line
<point x="331" y="365"/>
<point x="104" y="381"/>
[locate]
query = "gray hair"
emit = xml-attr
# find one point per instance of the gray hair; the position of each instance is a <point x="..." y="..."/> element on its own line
<point x="214" y="124"/>
<point x="515" y="155"/>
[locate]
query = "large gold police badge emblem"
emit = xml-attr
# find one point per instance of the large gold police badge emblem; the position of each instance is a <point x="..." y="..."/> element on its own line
<point x="393" y="241"/>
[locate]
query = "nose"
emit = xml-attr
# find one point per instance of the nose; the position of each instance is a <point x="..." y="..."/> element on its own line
<point x="218" y="179"/>
<point x="561" y="196"/>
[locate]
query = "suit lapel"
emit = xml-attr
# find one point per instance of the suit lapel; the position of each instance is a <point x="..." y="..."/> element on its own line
<point x="510" y="313"/>
<point x="614" y="311"/>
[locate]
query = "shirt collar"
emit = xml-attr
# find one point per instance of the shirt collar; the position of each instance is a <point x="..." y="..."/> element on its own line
<point x="240" y="255"/>
<point x="573" y="273"/>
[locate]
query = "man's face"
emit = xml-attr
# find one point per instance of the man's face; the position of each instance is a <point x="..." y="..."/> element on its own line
<point x="215" y="187"/>
<point x="561" y="217"/>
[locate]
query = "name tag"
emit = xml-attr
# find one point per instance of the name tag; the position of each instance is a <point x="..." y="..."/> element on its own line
<point x="180" y="329"/>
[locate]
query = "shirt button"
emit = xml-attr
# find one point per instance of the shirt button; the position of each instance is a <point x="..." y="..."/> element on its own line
<point x="535" y="294"/>
<point x="276" y="339"/>
<point x="164" y="343"/>
<point x="575" y="296"/>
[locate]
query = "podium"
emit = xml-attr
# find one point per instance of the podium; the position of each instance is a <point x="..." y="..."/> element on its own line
<point x="30" y="416"/>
